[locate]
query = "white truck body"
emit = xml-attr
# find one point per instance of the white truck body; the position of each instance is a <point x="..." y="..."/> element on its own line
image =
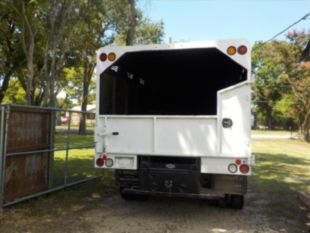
<point x="123" y="137"/>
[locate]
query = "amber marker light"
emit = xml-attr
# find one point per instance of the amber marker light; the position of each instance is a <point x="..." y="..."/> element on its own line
<point x="231" y="50"/>
<point x="111" y="56"/>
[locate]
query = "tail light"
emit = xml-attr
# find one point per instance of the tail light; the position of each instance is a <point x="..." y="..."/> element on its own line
<point x="244" y="168"/>
<point x="100" y="162"/>
<point x="242" y="50"/>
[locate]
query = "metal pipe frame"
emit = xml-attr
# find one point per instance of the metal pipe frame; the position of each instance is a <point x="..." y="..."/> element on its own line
<point x="67" y="150"/>
<point x="2" y="116"/>
<point x="47" y="108"/>
<point x="50" y="190"/>
<point x="48" y="150"/>
<point x="4" y="128"/>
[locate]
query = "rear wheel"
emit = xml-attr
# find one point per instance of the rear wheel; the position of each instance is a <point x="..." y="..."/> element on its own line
<point x="132" y="196"/>
<point x="237" y="201"/>
<point x="127" y="196"/>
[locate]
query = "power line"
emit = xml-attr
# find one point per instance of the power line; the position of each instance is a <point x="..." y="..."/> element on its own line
<point x="284" y="30"/>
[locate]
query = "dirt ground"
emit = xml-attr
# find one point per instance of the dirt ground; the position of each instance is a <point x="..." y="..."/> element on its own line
<point x="96" y="212"/>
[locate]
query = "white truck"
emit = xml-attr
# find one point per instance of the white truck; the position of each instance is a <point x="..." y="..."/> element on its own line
<point x="175" y="119"/>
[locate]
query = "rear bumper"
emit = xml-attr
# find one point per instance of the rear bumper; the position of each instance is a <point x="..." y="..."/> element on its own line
<point x="211" y="195"/>
<point x="180" y="184"/>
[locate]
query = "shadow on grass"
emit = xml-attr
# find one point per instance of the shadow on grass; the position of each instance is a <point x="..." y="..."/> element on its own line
<point x="280" y="173"/>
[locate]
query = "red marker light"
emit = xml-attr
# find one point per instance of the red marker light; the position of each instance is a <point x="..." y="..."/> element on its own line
<point x="104" y="156"/>
<point x="238" y="161"/>
<point x="242" y="50"/>
<point x="103" y="57"/>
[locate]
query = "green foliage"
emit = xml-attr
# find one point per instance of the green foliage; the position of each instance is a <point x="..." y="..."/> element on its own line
<point x="268" y="86"/>
<point x="15" y="93"/>
<point x="147" y="32"/>
<point x="282" y="83"/>
<point x="73" y="84"/>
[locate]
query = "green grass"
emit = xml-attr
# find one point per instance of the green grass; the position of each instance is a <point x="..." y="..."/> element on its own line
<point x="274" y="132"/>
<point x="80" y="161"/>
<point x="74" y="127"/>
<point x="74" y="140"/>
<point x="282" y="166"/>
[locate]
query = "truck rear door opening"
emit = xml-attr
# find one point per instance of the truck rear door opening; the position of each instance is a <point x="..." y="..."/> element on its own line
<point x="168" y="82"/>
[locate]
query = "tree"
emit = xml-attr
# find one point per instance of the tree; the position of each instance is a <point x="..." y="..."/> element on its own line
<point x="146" y="32"/>
<point x="297" y="76"/>
<point x="58" y="27"/>
<point x="26" y="12"/>
<point x="268" y="85"/>
<point x="282" y="83"/>
<point x="10" y="57"/>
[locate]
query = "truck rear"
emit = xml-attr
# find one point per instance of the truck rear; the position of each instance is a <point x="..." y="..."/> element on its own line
<point x="175" y="119"/>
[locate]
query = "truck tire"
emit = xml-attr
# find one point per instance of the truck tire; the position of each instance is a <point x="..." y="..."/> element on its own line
<point x="127" y="196"/>
<point x="237" y="201"/>
<point x="133" y="197"/>
<point x="225" y="202"/>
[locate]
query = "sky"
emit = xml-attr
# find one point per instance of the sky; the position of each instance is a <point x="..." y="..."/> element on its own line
<point x="192" y="20"/>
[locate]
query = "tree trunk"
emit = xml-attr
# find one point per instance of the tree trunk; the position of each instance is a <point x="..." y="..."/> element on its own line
<point x="28" y="46"/>
<point x="5" y="85"/>
<point x="132" y="22"/>
<point x="88" y="71"/>
<point x="269" y="120"/>
<point x="10" y="65"/>
<point x="306" y="127"/>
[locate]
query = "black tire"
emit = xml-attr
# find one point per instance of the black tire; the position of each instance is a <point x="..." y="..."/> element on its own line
<point x="225" y="202"/>
<point x="237" y="201"/>
<point x="126" y="196"/>
<point x="133" y="197"/>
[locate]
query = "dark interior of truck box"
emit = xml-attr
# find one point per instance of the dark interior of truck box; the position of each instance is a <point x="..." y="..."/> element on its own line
<point x="167" y="82"/>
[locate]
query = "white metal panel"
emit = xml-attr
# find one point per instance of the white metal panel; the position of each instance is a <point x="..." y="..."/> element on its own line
<point x="235" y="103"/>
<point x="159" y="135"/>
<point x="135" y="135"/>
<point x="192" y="137"/>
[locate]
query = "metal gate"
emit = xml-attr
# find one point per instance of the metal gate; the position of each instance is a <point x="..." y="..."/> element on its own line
<point x="43" y="150"/>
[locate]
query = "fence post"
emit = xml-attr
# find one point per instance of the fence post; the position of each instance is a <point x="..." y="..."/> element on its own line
<point x="4" y="127"/>
<point x="52" y="146"/>
<point x="67" y="148"/>
<point x="2" y="115"/>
